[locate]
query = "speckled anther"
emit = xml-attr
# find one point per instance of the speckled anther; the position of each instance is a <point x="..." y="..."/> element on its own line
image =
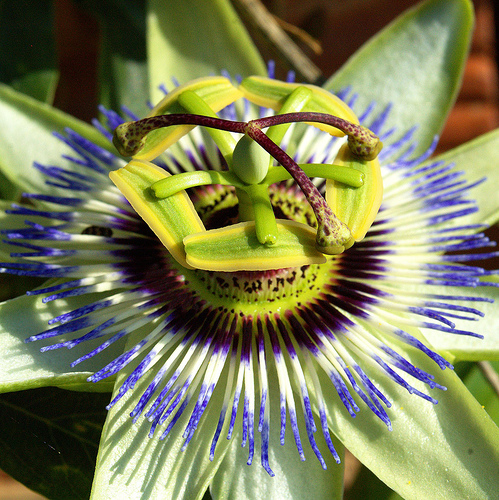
<point x="364" y="144"/>
<point x="129" y="137"/>
<point x="333" y="237"/>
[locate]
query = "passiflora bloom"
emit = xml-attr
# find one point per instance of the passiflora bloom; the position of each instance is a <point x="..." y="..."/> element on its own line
<point x="247" y="318"/>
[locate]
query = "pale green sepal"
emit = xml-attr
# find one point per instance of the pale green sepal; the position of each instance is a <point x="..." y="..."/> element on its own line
<point x="171" y="219"/>
<point x="479" y="158"/>
<point x="189" y="39"/>
<point x="23" y="366"/>
<point x="415" y="65"/>
<point x="236" y="248"/>
<point x="132" y="465"/>
<point x="293" y="480"/>
<point x="27" y="128"/>
<point x="463" y="347"/>
<point x="442" y="451"/>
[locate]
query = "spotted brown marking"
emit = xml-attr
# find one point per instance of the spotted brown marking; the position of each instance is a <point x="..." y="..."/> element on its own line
<point x="251" y="287"/>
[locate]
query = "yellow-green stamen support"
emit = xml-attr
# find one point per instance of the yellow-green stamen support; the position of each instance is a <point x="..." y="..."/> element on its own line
<point x="171" y="219"/>
<point x="237" y="248"/>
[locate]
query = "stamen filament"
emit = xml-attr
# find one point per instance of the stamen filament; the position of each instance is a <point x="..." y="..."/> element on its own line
<point x="347" y="175"/>
<point x="265" y="223"/>
<point x="295" y="102"/>
<point x="172" y="185"/>
<point x="185" y="180"/>
<point x="194" y="104"/>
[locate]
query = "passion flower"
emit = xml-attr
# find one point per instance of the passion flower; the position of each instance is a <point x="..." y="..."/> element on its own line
<point x="231" y="306"/>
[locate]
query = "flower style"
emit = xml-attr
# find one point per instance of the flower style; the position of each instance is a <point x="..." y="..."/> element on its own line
<point x="220" y="354"/>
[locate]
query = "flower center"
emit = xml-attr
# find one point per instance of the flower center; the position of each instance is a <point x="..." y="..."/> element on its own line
<point x="253" y="287"/>
<point x="255" y="293"/>
<point x="255" y="162"/>
<point x="217" y="206"/>
<point x="258" y="293"/>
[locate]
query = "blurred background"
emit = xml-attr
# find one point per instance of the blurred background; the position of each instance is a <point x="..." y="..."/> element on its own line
<point x="62" y="38"/>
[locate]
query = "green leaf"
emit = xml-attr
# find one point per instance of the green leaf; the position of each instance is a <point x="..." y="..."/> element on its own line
<point x="479" y="159"/>
<point x="130" y="464"/>
<point x="416" y="64"/>
<point x="27" y="127"/>
<point x="23" y="366"/>
<point x="442" y="451"/>
<point x="369" y="487"/>
<point x="27" y="47"/>
<point x="49" y="440"/>
<point x="483" y="391"/>
<point x="190" y="39"/>
<point x="8" y="190"/>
